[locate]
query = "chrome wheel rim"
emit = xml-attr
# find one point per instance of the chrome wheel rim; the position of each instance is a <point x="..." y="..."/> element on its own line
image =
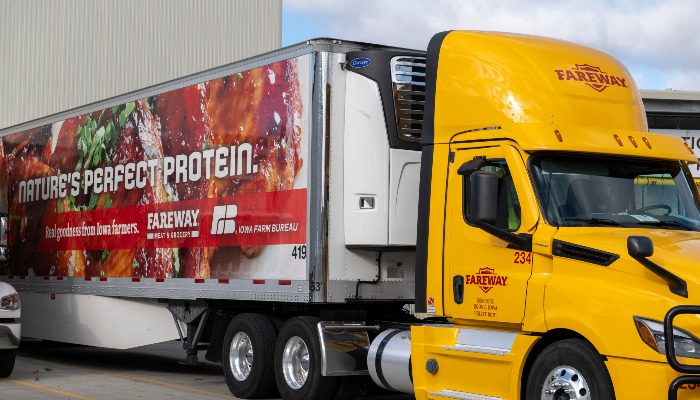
<point x="241" y="356"/>
<point x="565" y="383"/>
<point x="295" y="362"/>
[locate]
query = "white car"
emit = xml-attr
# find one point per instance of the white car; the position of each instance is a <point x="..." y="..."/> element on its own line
<point x="10" y="328"/>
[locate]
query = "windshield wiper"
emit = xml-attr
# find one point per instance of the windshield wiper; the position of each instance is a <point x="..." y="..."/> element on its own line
<point x="661" y="223"/>
<point x="599" y="221"/>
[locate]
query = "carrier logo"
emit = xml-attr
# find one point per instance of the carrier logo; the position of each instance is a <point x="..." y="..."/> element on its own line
<point x="223" y="219"/>
<point x="591" y="76"/>
<point x="486" y="278"/>
<point x="361" y="62"/>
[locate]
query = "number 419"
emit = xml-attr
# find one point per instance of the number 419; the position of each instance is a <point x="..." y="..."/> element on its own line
<point x="299" y="252"/>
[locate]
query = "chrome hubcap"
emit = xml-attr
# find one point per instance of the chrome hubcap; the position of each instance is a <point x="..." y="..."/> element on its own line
<point x="295" y="362"/>
<point x="241" y="356"/>
<point x="565" y="383"/>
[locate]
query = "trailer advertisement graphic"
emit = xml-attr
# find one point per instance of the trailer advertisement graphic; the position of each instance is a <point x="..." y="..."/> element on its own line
<point x="206" y="181"/>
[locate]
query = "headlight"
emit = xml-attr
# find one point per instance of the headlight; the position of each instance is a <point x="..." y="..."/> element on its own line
<point x="652" y="333"/>
<point x="10" y="302"/>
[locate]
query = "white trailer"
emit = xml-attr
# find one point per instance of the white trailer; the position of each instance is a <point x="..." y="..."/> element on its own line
<point x="269" y="206"/>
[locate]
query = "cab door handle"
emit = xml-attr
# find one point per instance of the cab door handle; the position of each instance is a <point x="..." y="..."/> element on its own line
<point x="458" y="288"/>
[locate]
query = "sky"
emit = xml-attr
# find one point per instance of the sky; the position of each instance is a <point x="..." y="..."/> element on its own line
<point x="657" y="40"/>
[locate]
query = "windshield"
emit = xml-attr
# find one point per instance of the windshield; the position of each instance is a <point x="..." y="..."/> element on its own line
<point x="583" y="190"/>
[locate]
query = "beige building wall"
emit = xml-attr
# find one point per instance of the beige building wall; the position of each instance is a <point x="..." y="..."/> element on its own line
<point x="59" y="54"/>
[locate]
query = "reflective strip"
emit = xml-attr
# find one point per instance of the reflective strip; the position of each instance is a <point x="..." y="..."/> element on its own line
<point x="223" y="281"/>
<point x="485" y="341"/>
<point x="285" y="282"/>
<point x="477" y="349"/>
<point x="453" y="394"/>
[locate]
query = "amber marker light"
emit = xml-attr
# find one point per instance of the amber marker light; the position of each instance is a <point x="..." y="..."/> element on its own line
<point x="617" y="138"/>
<point x="646" y="335"/>
<point x="688" y="147"/>
<point x="634" y="142"/>
<point x="558" y="135"/>
<point x="646" y="142"/>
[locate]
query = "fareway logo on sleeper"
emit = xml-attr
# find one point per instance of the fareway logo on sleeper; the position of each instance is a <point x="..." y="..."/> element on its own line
<point x="590" y="75"/>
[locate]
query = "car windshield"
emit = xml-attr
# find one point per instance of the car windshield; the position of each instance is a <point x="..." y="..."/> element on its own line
<point x="578" y="190"/>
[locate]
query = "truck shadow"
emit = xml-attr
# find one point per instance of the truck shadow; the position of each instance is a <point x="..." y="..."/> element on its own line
<point x="161" y="357"/>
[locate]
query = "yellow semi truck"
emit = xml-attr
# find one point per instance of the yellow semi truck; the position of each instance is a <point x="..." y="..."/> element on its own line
<point x="555" y="232"/>
<point x="284" y="209"/>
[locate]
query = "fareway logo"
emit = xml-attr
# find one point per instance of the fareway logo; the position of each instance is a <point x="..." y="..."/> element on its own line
<point x="591" y="76"/>
<point x="486" y="278"/>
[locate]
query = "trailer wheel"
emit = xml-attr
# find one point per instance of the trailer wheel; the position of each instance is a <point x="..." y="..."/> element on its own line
<point x="569" y="369"/>
<point x="298" y="362"/>
<point x="248" y="355"/>
<point x="7" y="362"/>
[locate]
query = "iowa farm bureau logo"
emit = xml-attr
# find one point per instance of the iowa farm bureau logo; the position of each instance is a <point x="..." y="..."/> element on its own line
<point x="591" y="76"/>
<point x="223" y="219"/>
<point x="486" y="279"/>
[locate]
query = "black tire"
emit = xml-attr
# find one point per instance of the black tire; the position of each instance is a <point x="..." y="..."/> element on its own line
<point x="302" y="331"/>
<point x="7" y="362"/>
<point x="347" y="388"/>
<point x="258" y="379"/>
<point x="574" y="363"/>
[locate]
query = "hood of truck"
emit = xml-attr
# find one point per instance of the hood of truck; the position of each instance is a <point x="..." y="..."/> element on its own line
<point x="675" y="250"/>
<point x="601" y="302"/>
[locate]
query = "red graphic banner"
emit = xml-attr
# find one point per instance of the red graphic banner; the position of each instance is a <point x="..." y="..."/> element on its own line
<point x="248" y="219"/>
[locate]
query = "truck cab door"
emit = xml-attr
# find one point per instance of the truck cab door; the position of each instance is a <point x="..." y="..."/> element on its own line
<point x="485" y="277"/>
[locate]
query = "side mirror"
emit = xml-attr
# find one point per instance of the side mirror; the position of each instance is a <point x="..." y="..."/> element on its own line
<point x="483" y="197"/>
<point x="483" y="208"/>
<point x="640" y="246"/>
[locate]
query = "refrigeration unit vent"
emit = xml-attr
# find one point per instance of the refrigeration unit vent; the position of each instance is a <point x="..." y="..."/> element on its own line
<point x="408" y="77"/>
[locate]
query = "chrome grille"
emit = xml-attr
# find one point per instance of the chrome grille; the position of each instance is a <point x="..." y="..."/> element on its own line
<point x="408" y="77"/>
